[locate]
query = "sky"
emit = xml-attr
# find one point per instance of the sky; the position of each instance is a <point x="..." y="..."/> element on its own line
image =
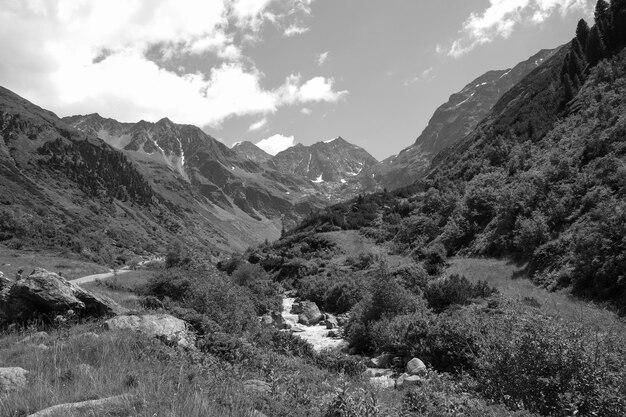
<point x="274" y="72"/>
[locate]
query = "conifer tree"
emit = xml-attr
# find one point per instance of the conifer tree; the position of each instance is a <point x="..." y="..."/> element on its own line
<point x="595" y="46"/>
<point x="575" y="67"/>
<point x="601" y="11"/>
<point x="582" y="32"/>
<point x="577" y="49"/>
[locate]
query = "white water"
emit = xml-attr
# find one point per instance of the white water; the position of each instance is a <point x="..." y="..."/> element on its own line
<point x="315" y="335"/>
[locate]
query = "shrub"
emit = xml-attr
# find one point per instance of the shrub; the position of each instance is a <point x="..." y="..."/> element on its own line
<point x="455" y="290"/>
<point x="340" y="363"/>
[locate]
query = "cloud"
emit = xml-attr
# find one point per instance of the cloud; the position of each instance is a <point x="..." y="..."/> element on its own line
<point x="81" y="56"/>
<point x="316" y="89"/>
<point x="258" y="125"/>
<point x="501" y="18"/>
<point x="276" y="143"/>
<point x="427" y="74"/>
<point x="322" y="58"/>
<point x="295" y="30"/>
<point x="307" y="111"/>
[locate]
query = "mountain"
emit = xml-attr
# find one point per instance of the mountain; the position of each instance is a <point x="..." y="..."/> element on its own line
<point x="452" y="121"/>
<point x="249" y="150"/>
<point x="336" y="166"/>
<point x="181" y="158"/>
<point x="105" y="189"/>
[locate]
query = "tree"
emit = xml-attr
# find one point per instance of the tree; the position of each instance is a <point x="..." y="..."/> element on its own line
<point x="569" y="89"/>
<point x="582" y="32"/>
<point x="601" y="11"/>
<point x="596" y="48"/>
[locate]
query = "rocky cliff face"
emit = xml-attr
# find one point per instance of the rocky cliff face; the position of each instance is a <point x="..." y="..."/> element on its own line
<point x="452" y="121"/>
<point x="249" y="150"/>
<point x="336" y="166"/>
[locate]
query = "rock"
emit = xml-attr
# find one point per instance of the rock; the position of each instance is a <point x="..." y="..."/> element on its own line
<point x="382" y="361"/>
<point x="342" y="319"/>
<point x="12" y="379"/>
<point x="118" y="405"/>
<point x="332" y="334"/>
<point x="415" y="367"/>
<point x="36" y="338"/>
<point x="296" y="308"/>
<point x="406" y="380"/>
<point x="46" y="293"/>
<point x="5" y="282"/>
<point x="376" y="373"/>
<point x="257" y="386"/>
<point x="302" y="319"/>
<point x="297" y="329"/>
<point x="275" y="319"/>
<point x="163" y="326"/>
<point x="331" y="322"/>
<point x="311" y="312"/>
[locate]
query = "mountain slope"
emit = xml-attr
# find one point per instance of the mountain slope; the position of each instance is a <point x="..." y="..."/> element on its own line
<point x="249" y="150"/>
<point x="334" y="165"/>
<point x="452" y="121"/>
<point x="541" y="180"/>
<point x="180" y="159"/>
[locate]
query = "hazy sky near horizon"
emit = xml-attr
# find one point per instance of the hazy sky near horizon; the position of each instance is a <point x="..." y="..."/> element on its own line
<point x="277" y="71"/>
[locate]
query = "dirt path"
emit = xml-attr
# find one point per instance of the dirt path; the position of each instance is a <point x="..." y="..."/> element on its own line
<point x="106" y="275"/>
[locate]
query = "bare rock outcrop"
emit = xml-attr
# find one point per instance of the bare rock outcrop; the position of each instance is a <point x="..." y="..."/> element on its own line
<point x="162" y="326"/>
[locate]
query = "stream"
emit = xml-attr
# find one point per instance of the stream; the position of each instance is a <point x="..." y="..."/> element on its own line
<point x="317" y="336"/>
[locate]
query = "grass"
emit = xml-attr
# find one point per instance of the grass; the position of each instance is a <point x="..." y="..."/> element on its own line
<point x="122" y="288"/>
<point x="166" y="381"/>
<point x="510" y="280"/>
<point x="13" y="260"/>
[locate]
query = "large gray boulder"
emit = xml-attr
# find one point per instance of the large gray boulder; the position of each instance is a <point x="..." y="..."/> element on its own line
<point x="415" y="367"/>
<point x="162" y="326"/>
<point x="12" y="379"/>
<point x="311" y="314"/>
<point x="45" y="293"/>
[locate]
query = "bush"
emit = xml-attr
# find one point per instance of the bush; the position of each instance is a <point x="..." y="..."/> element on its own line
<point x="455" y="290"/>
<point x="340" y="363"/>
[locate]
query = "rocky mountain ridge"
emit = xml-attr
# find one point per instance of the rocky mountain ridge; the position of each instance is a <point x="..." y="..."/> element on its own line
<point x="452" y="121"/>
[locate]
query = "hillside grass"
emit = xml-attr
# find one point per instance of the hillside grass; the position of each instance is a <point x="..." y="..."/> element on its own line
<point x="12" y="260"/>
<point x="511" y="280"/>
<point x="122" y="288"/>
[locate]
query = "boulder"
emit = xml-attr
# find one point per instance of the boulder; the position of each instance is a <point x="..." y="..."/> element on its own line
<point x="12" y="379"/>
<point x="302" y="319"/>
<point x="382" y="361"/>
<point x="311" y="312"/>
<point x="118" y="405"/>
<point x="257" y="386"/>
<point x="331" y="322"/>
<point x="415" y="367"/>
<point x="275" y="319"/>
<point x="406" y="380"/>
<point x="342" y="319"/>
<point x="46" y="293"/>
<point x="162" y="326"/>
<point x="376" y="373"/>
<point x="151" y="303"/>
<point x="296" y="308"/>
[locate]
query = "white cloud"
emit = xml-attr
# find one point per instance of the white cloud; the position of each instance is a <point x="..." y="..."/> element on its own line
<point x="322" y="58"/>
<point x="316" y="89"/>
<point x="427" y="74"/>
<point x="501" y="18"/>
<point x="276" y="143"/>
<point x="81" y="56"/>
<point x="307" y="111"/>
<point x="258" y="125"/>
<point x="295" y="30"/>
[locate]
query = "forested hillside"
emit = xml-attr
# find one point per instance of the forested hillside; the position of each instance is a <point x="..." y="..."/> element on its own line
<point x="542" y="179"/>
